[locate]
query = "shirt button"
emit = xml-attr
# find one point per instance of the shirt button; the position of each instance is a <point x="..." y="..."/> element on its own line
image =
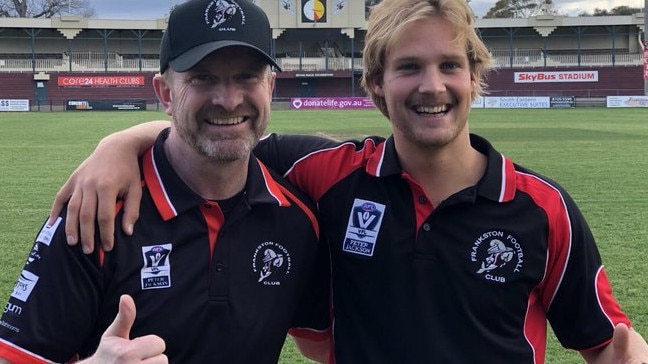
<point x="422" y="200"/>
<point x="427" y="227"/>
<point x="220" y="267"/>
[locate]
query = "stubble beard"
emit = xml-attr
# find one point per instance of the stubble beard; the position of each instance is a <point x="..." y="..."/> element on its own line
<point x="221" y="149"/>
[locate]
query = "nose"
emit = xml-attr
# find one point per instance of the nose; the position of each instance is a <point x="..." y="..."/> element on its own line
<point x="227" y="95"/>
<point x="432" y="81"/>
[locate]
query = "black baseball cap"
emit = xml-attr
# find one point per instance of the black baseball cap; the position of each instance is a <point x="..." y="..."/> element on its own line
<point x="198" y="27"/>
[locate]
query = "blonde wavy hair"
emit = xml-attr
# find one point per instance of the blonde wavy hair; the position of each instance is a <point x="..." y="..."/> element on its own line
<point x="388" y="19"/>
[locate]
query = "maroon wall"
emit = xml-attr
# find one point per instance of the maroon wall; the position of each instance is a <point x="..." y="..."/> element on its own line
<point x="17" y="86"/>
<point x="612" y="81"/>
<point x="23" y="86"/>
<point x="60" y="94"/>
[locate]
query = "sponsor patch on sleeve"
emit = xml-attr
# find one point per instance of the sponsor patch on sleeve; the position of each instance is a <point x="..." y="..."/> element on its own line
<point x="25" y="285"/>
<point x="47" y="232"/>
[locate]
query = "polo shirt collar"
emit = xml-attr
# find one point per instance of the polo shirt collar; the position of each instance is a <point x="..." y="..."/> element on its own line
<point x="172" y="196"/>
<point x="497" y="184"/>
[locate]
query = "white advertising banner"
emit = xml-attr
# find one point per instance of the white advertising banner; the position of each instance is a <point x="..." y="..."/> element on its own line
<point x="627" y="101"/>
<point x="14" y="105"/>
<point x="517" y="102"/>
<point x="478" y="103"/>
<point x="562" y="76"/>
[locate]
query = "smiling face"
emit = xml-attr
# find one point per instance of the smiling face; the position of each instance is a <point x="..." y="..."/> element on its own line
<point x="427" y="84"/>
<point x="221" y="106"/>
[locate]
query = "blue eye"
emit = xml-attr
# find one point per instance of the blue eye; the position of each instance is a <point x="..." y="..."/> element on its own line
<point x="449" y="66"/>
<point x="408" y="67"/>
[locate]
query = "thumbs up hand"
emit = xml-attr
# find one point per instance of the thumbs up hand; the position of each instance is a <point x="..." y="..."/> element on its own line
<point x="117" y="347"/>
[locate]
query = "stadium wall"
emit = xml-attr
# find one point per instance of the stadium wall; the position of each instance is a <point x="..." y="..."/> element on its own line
<point x="46" y="92"/>
<point x="612" y="81"/>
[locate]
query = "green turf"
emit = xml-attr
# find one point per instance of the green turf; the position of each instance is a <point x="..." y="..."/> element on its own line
<point x="599" y="155"/>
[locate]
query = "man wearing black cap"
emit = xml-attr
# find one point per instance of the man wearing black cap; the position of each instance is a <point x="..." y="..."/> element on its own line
<point x="210" y="267"/>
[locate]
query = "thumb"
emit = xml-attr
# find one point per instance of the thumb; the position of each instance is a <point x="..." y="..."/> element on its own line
<point x="621" y="339"/>
<point x="123" y="322"/>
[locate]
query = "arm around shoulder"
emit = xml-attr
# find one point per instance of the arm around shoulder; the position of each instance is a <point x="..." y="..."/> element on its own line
<point x="140" y="136"/>
<point x="111" y="172"/>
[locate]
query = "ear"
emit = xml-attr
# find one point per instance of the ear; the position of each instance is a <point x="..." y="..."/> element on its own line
<point x="473" y="83"/>
<point x="376" y="87"/>
<point x="272" y="77"/>
<point x="163" y="93"/>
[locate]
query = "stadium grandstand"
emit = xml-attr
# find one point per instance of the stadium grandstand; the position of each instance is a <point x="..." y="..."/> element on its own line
<point x="52" y="61"/>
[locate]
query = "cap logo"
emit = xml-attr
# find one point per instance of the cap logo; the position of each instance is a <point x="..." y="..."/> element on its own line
<point x="219" y="12"/>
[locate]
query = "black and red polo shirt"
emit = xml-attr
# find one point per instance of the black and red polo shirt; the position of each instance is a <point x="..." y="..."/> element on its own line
<point x="219" y="282"/>
<point x="472" y="280"/>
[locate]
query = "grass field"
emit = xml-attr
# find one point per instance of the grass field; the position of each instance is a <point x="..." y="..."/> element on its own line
<point x="599" y="155"/>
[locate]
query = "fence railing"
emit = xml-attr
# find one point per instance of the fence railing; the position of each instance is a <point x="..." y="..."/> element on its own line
<point x="98" y="62"/>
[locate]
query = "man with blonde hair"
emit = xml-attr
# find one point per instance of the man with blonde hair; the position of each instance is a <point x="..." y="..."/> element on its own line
<point x="211" y="273"/>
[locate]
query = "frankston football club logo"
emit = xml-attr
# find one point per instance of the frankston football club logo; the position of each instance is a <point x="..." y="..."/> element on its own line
<point x="156" y="272"/>
<point x="363" y="227"/>
<point x="219" y="12"/>
<point x="271" y="262"/>
<point x="497" y="256"/>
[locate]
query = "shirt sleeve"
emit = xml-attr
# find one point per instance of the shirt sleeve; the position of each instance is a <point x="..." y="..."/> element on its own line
<point x="53" y="307"/>
<point x="313" y="317"/>
<point x="583" y="312"/>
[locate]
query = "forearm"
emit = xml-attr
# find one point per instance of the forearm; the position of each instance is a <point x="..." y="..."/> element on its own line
<point x="140" y="137"/>
<point x="627" y="346"/>
<point x="110" y="172"/>
<point x="316" y="350"/>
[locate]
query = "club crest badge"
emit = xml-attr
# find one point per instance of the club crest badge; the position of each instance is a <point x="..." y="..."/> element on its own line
<point x="271" y="262"/>
<point x="497" y="256"/>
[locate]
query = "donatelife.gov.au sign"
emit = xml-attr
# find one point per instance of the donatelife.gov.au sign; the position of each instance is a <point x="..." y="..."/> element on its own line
<point x="331" y="103"/>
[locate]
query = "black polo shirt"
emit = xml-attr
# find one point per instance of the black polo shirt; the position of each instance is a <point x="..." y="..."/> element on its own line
<point x="472" y="280"/>
<point x="218" y="287"/>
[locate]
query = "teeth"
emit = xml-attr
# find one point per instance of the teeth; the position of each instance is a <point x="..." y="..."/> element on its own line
<point x="432" y="109"/>
<point x="227" y="121"/>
